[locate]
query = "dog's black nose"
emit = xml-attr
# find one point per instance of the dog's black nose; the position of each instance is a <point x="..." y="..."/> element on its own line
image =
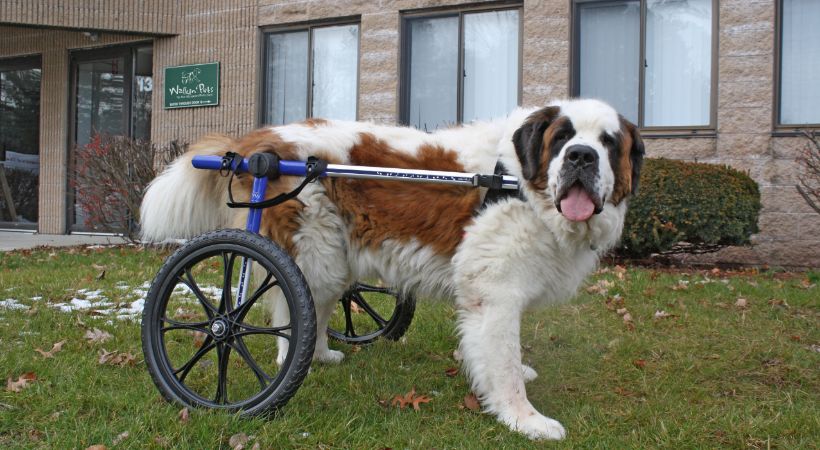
<point x="581" y="156"/>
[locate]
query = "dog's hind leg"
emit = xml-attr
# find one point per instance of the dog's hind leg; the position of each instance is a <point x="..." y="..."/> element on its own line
<point x="321" y="254"/>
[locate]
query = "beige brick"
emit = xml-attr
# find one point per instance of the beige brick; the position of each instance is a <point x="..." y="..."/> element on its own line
<point x="789" y="147"/>
<point x="746" y="40"/>
<point x="749" y="13"/>
<point x="779" y="226"/>
<point x="751" y="68"/>
<point x="782" y="199"/>
<point x="738" y="145"/>
<point x="744" y="120"/>
<point x="689" y="149"/>
<point x="809" y="226"/>
<point x="744" y="94"/>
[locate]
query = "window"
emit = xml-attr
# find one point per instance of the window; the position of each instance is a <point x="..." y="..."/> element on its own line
<point x="19" y="142"/>
<point x="311" y="72"/>
<point x="799" y="62"/>
<point x="650" y="59"/>
<point x="460" y="67"/>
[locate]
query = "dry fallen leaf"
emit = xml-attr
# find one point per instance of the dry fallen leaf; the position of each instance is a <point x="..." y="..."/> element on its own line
<point x="21" y="383"/>
<point x="96" y="447"/>
<point x="639" y="363"/>
<point x="627" y="318"/>
<point x="101" y="275"/>
<point x="411" y="399"/>
<point x="741" y="302"/>
<point x="184" y="415"/>
<point x="115" y="358"/>
<point x="238" y="441"/>
<point x="120" y="437"/>
<point x="471" y="402"/>
<point x="663" y="315"/>
<point x="97" y="335"/>
<point x="54" y="349"/>
<point x="199" y="338"/>
<point x="451" y="372"/>
<point x="621" y="311"/>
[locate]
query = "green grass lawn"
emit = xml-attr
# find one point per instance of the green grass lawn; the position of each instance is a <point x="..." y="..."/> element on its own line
<point x="708" y="372"/>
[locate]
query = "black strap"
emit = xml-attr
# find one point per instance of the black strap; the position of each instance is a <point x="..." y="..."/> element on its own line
<point x="497" y="194"/>
<point x="315" y="167"/>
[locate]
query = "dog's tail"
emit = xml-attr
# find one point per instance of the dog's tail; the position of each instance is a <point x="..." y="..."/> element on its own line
<point x="182" y="201"/>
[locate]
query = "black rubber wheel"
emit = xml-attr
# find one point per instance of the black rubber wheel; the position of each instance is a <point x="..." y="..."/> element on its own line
<point x="203" y="350"/>
<point x="364" y="309"/>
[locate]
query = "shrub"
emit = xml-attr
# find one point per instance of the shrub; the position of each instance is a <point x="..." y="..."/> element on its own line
<point x="685" y="207"/>
<point x="809" y="175"/>
<point x="110" y="177"/>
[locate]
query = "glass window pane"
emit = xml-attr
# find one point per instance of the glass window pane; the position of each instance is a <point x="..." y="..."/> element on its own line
<point x="490" y="64"/>
<point x="678" y="62"/>
<point x="19" y="144"/>
<point x="610" y="54"/>
<point x="335" y="70"/>
<point x="800" y="65"/>
<point x="433" y="79"/>
<point x="286" y="85"/>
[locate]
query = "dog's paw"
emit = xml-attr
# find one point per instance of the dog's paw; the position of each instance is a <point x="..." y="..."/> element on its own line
<point x="528" y="373"/>
<point x="537" y="427"/>
<point x="328" y="356"/>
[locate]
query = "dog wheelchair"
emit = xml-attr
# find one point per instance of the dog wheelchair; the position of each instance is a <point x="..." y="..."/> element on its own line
<point x="210" y="342"/>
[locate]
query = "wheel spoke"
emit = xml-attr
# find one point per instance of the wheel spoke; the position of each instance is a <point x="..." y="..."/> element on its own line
<point x="186" y="368"/>
<point x="225" y="302"/>
<point x="191" y="283"/>
<point x="240" y="347"/>
<point x="368" y="288"/>
<point x="223" y="353"/>
<point x="196" y="326"/>
<point x="249" y="329"/>
<point x="370" y="311"/>
<point x="243" y="309"/>
<point x="346" y="307"/>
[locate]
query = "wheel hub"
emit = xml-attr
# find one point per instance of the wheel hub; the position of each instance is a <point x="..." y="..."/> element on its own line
<point x="219" y="328"/>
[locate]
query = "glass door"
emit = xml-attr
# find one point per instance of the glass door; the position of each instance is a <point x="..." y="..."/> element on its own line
<point x="19" y="142"/>
<point x="112" y="91"/>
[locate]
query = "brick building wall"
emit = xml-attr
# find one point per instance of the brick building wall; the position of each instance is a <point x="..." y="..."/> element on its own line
<point x="229" y="32"/>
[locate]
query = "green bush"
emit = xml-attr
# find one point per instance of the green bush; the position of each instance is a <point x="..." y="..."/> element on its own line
<point x="685" y="207"/>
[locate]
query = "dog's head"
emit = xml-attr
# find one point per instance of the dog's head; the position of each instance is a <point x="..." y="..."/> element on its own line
<point x="579" y="154"/>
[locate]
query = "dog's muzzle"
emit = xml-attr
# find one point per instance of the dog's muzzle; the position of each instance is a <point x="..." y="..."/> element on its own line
<point x="577" y="199"/>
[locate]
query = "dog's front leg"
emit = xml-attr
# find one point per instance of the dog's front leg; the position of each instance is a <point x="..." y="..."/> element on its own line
<point x="491" y="350"/>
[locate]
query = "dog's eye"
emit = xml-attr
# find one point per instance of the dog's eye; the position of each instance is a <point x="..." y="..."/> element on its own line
<point x="607" y="140"/>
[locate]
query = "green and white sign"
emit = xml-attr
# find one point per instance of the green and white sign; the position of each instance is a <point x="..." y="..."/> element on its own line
<point x="192" y="86"/>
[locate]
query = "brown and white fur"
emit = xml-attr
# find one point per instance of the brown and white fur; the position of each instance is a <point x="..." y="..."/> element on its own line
<point x="435" y="240"/>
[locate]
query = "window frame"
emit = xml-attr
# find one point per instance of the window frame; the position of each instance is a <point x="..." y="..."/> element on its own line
<point x="450" y="11"/>
<point x="309" y="26"/>
<point x="778" y="127"/>
<point x="708" y="130"/>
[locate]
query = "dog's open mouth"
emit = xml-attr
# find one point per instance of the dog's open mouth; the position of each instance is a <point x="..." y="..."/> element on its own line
<point x="577" y="204"/>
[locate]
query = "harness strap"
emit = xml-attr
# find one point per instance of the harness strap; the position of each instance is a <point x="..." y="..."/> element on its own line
<point x="314" y="167"/>
<point x="495" y="194"/>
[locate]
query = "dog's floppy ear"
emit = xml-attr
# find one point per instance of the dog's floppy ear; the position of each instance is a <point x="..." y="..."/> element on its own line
<point x="529" y="140"/>
<point x="636" y="154"/>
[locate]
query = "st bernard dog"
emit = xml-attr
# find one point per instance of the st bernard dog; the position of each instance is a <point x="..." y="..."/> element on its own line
<point x="578" y="162"/>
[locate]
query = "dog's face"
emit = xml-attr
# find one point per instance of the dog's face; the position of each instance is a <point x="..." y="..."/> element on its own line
<point x="580" y="155"/>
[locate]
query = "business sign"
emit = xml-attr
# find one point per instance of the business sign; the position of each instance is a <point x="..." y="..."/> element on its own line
<point x="192" y="86"/>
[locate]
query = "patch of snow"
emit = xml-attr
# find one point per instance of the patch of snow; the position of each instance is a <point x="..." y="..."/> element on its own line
<point x="36" y="298"/>
<point x="11" y="303"/>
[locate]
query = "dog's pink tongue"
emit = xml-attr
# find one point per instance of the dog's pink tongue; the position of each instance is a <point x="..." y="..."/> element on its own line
<point x="577" y="206"/>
